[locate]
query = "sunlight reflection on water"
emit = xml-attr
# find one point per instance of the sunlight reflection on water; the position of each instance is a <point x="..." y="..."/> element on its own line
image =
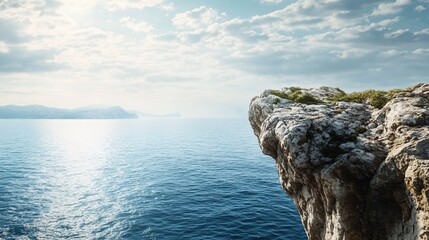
<point x="78" y="151"/>
<point x="159" y="179"/>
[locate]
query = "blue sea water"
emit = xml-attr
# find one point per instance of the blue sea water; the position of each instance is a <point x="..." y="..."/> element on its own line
<point x="139" y="179"/>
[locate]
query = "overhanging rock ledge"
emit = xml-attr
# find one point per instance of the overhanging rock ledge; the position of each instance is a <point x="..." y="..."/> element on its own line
<point x="353" y="171"/>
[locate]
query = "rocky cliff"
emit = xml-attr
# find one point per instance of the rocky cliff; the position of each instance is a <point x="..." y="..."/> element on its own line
<point x="354" y="171"/>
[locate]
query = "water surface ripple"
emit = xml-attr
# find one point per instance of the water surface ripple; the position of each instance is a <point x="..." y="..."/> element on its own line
<point x="139" y="179"/>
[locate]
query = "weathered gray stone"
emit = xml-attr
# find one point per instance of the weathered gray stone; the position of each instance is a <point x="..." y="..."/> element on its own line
<point x="354" y="172"/>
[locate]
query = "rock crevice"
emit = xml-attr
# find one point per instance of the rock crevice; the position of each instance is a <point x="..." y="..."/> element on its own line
<point x="354" y="171"/>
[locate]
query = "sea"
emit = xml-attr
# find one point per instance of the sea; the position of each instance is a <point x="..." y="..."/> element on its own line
<point x="140" y="179"/>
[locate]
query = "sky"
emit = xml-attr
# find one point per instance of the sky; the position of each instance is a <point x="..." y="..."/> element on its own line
<point x="205" y="59"/>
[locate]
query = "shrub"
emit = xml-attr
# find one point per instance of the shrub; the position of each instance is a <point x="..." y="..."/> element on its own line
<point x="341" y="91"/>
<point x="276" y="101"/>
<point x="375" y="98"/>
<point x="297" y="96"/>
<point x="295" y="89"/>
<point x="306" y="99"/>
<point x="280" y="94"/>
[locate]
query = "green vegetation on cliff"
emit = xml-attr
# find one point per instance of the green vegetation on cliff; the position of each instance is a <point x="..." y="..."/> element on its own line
<point x="296" y="95"/>
<point x="375" y="98"/>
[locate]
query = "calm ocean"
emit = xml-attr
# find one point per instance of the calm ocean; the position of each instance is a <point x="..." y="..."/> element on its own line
<point x="139" y="179"/>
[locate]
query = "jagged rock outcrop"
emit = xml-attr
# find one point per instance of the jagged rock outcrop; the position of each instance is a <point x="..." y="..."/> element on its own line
<point x="354" y="171"/>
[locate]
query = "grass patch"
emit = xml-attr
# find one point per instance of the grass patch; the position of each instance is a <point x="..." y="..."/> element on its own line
<point x="340" y="90"/>
<point x="295" y="89"/>
<point x="280" y="94"/>
<point x="375" y="98"/>
<point x="297" y="96"/>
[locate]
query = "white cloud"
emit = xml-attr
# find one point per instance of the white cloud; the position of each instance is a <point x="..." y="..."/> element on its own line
<point x="423" y="31"/>
<point x="351" y="53"/>
<point x="422" y="34"/>
<point x="393" y="53"/>
<point x="205" y="54"/>
<point x="136" y="26"/>
<point x="421" y="52"/>
<point x="114" y="5"/>
<point x="374" y="32"/>
<point x="198" y="17"/>
<point x="397" y="33"/>
<point x="420" y="8"/>
<point x="3" y="47"/>
<point x="168" y="6"/>
<point x="390" y="7"/>
<point x="271" y="1"/>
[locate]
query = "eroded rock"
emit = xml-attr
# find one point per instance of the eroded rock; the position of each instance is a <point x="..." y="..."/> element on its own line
<point x="354" y="171"/>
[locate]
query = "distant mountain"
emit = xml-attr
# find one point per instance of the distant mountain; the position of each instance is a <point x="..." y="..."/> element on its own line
<point x="43" y="112"/>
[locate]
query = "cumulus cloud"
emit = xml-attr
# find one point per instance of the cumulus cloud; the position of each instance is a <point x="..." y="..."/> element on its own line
<point x="168" y="6"/>
<point x="198" y="17"/>
<point x="420" y="8"/>
<point x="390" y="7"/>
<point x="113" y="5"/>
<point x="421" y="52"/>
<point x="136" y="26"/>
<point x="203" y="53"/>
<point x="18" y="45"/>
<point x="338" y="43"/>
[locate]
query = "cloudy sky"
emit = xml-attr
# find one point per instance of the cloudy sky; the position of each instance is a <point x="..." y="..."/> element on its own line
<point x="204" y="58"/>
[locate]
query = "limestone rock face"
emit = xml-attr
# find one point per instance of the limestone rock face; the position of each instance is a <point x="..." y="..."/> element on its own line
<point x="354" y="171"/>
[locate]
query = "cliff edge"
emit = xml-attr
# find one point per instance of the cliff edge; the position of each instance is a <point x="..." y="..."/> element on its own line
<point x="354" y="170"/>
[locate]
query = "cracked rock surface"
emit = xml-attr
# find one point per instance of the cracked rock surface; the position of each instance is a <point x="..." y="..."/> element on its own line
<point x="353" y="171"/>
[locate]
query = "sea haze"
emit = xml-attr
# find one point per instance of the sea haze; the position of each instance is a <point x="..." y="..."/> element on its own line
<point x="139" y="179"/>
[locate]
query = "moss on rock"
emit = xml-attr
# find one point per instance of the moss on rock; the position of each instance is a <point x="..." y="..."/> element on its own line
<point x="297" y="96"/>
<point x="375" y="98"/>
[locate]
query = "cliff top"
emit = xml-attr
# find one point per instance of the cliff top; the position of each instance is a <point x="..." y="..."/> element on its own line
<point x="356" y="165"/>
<point x="375" y="98"/>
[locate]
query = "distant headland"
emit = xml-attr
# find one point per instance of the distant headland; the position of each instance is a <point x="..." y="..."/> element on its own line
<point x="88" y="112"/>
